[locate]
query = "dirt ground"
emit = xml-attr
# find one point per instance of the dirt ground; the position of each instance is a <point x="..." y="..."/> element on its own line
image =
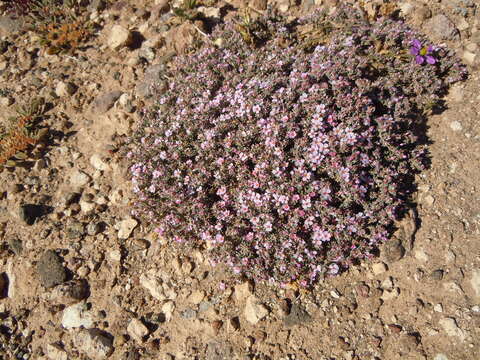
<point x="81" y="279"/>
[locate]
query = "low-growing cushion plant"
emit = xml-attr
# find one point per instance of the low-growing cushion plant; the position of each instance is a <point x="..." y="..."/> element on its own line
<point x="288" y="149"/>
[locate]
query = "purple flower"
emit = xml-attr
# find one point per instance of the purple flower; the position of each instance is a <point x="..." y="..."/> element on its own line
<point x="422" y="54"/>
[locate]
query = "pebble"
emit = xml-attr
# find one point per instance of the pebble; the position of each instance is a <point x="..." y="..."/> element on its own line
<point x="94" y="343"/>
<point x="126" y="227"/>
<point x="254" y="310"/>
<point x="104" y="102"/>
<point x="167" y="310"/>
<point x="437" y="275"/>
<point x="75" y="229"/>
<point x="70" y="292"/>
<point x="97" y="162"/>
<point x="137" y="330"/>
<point x="93" y="228"/>
<point x="87" y="206"/>
<point x="119" y="37"/>
<point x="429" y="200"/>
<point x="79" y="178"/>
<point x="469" y="57"/>
<point x="3" y="285"/>
<point x="76" y="316"/>
<point x="475" y="282"/>
<point x="456" y="126"/>
<point x="64" y="89"/>
<point x="29" y="213"/>
<point x="390" y="295"/>
<point x="421" y="255"/>
<point x="438" y="308"/>
<point x="243" y="291"/>
<point x="335" y="294"/>
<point x="51" y="270"/>
<point x="440" y="357"/>
<point x="379" y="268"/>
<point x="450" y="326"/>
<point x="196" y="297"/>
<point x="393" y="250"/>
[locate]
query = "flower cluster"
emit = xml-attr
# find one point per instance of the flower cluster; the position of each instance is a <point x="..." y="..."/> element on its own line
<point x="288" y="162"/>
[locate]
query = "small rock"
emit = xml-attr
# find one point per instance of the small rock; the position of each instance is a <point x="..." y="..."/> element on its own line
<point x="70" y="292"/>
<point x="126" y="227"/>
<point x="387" y="284"/>
<point x="438" y="308"/>
<point x="75" y="230"/>
<point x="210" y="12"/>
<point x="3" y="285"/>
<point x="393" y="250"/>
<point x="440" y="357"/>
<point x="390" y="295"/>
<point x="469" y="57"/>
<point x="167" y="310"/>
<point x="137" y="330"/>
<point x="103" y="103"/>
<point x="475" y="282"/>
<point x="196" y="297"/>
<point x="97" y="162"/>
<point x="243" y="291"/>
<point x="94" y="343"/>
<point x="161" y="7"/>
<point x="421" y="255"/>
<point x="442" y="27"/>
<point x="297" y="316"/>
<point x="456" y="126"/>
<point x="335" y="294"/>
<point x="87" y="206"/>
<point x="254" y="310"/>
<point x="115" y="255"/>
<point x="51" y="270"/>
<point x="379" y="268"/>
<point x="31" y="212"/>
<point x="216" y="326"/>
<point x="93" y="228"/>
<point x="463" y="24"/>
<point x="79" y="179"/>
<point x="429" y="200"/>
<point x="188" y="313"/>
<point x="154" y="285"/>
<point x="450" y="326"/>
<point x="55" y="352"/>
<point x="437" y="275"/>
<point x="65" y="89"/>
<point x="76" y="316"/>
<point x="119" y="37"/>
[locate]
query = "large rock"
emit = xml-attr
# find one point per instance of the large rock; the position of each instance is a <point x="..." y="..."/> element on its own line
<point x="94" y="343"/>
<point x="51" y="270"/>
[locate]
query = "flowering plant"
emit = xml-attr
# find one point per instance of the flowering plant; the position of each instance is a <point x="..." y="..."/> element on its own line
<point x="422" y="53"/>
<point x="288" y="160"/>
